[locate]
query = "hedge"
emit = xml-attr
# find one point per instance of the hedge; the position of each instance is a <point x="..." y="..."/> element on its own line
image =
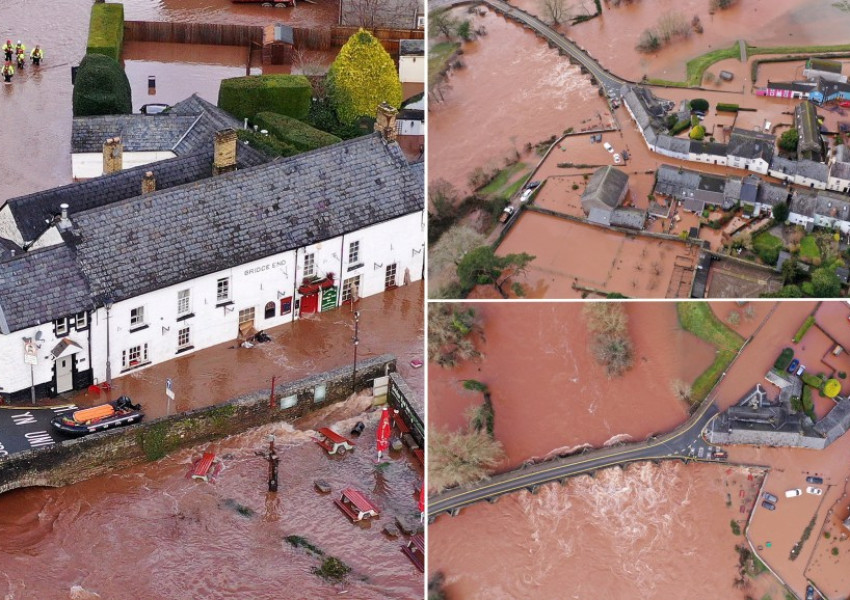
<point x="810" y="320"/>
<point x="680" y="126"/>
<point x="784" y="359"/>
<point x="294" y="132"/>
<point x="815" y="381"/>
<point x="271" y="146"/>
<point x="726" y="107"/>
<point x="106" y="30"/>
<point x="101" y="88"/>
<point x="244" y="97"/>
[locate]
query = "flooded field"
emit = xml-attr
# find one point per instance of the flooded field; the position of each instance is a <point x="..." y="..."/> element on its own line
<point x="574" y="259"/>
<point x="549" y="393"/>
<point x="152" y="530"/>
<point x="658" y="529"/>
<point x="759" y="22"/>
<point x="474" y="125"/>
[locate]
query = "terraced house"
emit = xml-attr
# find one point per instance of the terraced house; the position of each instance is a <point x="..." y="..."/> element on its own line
<point x="102" y="278"/>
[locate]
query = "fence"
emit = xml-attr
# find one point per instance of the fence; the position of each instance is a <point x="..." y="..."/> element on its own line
<point x="192" y="33"/>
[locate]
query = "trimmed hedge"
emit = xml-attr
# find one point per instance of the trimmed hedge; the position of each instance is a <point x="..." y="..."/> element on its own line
<point x="726" y="107"/>
<point x="815" y="381"/>
<point x="810" y="320"/>
<point x="270" y="146"/>
<point x="784" y="359"/>
<point x="101" y="88"/>
<point x="294" y="132"/>
<point x="106" y="30"/>
<point x="244" y="97"/>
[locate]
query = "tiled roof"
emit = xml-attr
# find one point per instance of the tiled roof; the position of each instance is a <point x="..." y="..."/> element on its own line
<point x="33" y="212"/>
<point x="676" y="182"/>
<point x="411" y="47"/>
<point x="772" y="195"/>
<point x="803" y="204"/>
<point x="832" y="206"/>
<point x="605" y="189"/>
<point x="633" y="218"/>
<point x="751" y="144"/>
<point x="141" y="244"/>
<point x="812" y="170"/>
<point x="138" y="133"/>
<point x="40" y="286"/>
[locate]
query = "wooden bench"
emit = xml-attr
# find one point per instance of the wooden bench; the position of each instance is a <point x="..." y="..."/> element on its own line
<point x="94" y="414"/>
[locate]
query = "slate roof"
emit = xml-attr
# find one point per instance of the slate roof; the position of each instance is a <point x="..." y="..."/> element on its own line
<point x="600" y="216"/>
<point x="803" y="204"/>
<point x="709" y="148"/>
<point x="675" y="182"/>
<point x="751" y="145"/>
<point x="39" y="287"/>
<point x="832" y="206"/>
<point x="33" y="212"/>
<point x="813" y="170"/>
<point x="749" y="189"/>
<point x="134" y="246"/>
<point x="809" y="145"/>
<point x="210" y="119"/>
<point x="836" y="422"/>
<point x="784" y="165"/>
<point x="673" y="145"/>
<point x="605" y="189"/>
<point x="840" y="170"/>
<point x="771" y="195"/>
<point x="795" y="86"/>
<point x="732" y="192"/>
<point x="632" y="218"/>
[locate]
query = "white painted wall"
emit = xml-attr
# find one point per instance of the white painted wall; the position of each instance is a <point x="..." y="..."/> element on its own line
<point x="411" y="69"/>
<point x="88" y="165"/>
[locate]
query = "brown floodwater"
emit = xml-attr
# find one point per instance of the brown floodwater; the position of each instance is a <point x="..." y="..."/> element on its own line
<point x="659" y="529"/>
<point x="150" y="532"/>
<point x="474" y="126"/>
<point x="550" y="395"/>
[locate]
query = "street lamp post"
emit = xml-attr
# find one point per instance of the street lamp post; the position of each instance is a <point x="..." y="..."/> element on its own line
<point x="356" y="341"/>
<point x="108" y="305"/>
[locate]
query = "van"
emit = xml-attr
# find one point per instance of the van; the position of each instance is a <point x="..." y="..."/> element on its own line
<point x="793" y="493"/>
<point x="801" y="370"/>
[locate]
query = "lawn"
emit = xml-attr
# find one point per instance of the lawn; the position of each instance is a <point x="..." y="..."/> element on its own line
<point x="503" y="184"/>
<point x="809" y="248"/>
<point x="767" y="246"/>
<point x="438" y="56"/>
<point x="698" y="318"/>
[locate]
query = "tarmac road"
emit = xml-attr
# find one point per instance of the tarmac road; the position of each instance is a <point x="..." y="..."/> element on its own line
<point x="27" y="428"/>
<point x="683" y="443"/>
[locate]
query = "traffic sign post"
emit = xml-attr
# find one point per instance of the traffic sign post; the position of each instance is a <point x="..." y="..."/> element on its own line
<point x="31" y="359"/>
<point x="169" y="392"/>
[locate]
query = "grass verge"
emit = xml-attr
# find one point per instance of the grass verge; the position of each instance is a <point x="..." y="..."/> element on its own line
<point x="438" y="57"/>
<point x="698" y="318"/>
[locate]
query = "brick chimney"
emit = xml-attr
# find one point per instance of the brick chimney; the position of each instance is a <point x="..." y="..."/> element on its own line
<point x="385" y="121"/>
<point x="148" y="183"/>
<point x="113" y="155"/>
<point x="224" y="154"/>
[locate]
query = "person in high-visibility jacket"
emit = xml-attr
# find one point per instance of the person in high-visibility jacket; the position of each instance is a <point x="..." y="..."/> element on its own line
<point x="22" y="60"/>
<point x="8" y="49"/>
<point x="7" y="71"/>
<point x="20" y="48"/>
<point x="37" y="55"/>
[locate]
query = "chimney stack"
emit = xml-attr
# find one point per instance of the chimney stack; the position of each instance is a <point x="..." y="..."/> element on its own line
<point x="64" y="222"/>
<point x="113" y="155"/>
<point x="385" y="121"/>
<point x="148" y="183"/>
<point x="224" y="155"/>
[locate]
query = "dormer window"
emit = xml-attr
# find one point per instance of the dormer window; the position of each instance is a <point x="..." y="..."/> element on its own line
<point x="61" y="326"/>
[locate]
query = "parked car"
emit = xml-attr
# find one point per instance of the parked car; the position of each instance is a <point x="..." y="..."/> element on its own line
<point x="506" y="214"/>
<point x="770" y="497"/>
<point x="617" y="159"/>
<point x="625" y="154"/>
<point x="154" y="108"/>
<point x="768" y="505"/>
<point x="608" y="147"/>
<point x="793" y="493"/>
<point x="526" y="194"/>
<point x="801" y="370"/>
<point x="793" y="366"/>
<point x="720" y="454"/>
<point x="532" y="185"/>
<point x="814" y="491"/>
<point x="815" y="480"/>
<point x="810" y="593"/>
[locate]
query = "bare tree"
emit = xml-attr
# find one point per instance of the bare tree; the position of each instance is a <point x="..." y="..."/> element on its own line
<point x="449" y="330"/>
<point x="554" y="10"/>
<point x="371" y="14"/>
<point x="672" y="24"/>
<point x="456" y="458"/>
<point x="681" y="389"/>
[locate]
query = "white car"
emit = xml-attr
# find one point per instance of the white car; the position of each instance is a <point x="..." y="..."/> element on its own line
<point x="793" y="493"/>
<point x="525" y="196"/>
<point x="815" y="491"/>
<point x="608" y="147"/>
<point x="617" y="159"/>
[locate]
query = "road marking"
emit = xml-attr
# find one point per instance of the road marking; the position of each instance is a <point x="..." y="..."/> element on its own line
<point x="37" y="439"/>
<point x="23" y="419"/>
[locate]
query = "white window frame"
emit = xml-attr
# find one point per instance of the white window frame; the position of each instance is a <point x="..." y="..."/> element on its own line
<point x="82" y="320"/>
<point x="184" y="332"/>
<point x="184" y="302"/>
<point x="137" y="317"/>
<point x="245" y="312"/>
<point x="391" y="283"/>
<point x="222" y="290"/>
<point x="354" y="252"/>
<point x="140" y="351"/>
<point x="348" y="284"/>
<point x="420" y="22"/>
<point x="309" y="265"/>
<point x="62" y="326"/>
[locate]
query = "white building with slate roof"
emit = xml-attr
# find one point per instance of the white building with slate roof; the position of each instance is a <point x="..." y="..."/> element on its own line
<point x="133" y="279"/>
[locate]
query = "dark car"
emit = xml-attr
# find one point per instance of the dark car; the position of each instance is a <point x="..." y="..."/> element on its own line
<point x="793" y="366"/>
<point x="768" y="505"/>
<point x="815" y="480"/>
<point x="770" y="497"/>
<point x="810" y="592"/>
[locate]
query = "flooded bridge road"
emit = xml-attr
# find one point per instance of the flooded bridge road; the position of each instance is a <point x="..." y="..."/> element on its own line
<point x="27" y="428"/>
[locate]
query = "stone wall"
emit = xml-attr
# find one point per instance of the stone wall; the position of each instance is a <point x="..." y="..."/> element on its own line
<point x="100" y="453"/>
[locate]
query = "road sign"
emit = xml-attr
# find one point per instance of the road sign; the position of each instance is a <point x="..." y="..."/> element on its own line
<point x="30" y="356"/>
<point x="169" y="390"/>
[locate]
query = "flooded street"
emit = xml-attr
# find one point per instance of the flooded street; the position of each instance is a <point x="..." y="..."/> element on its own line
<point x="151" y="530"/>
<point x="549" y="394"/>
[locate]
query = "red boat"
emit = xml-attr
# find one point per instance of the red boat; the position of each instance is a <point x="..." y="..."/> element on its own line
<point x="206" y="468"/>
<point x="333" y="442"/>
<point x="356" y="506"/>
<point x="415" y="551"/>
<point x="844" y="104"/>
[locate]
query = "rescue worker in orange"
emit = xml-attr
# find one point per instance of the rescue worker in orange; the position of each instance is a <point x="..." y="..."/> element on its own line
<point x="37" y="55"/>
<point x="7" y="71"/>
<point x="8" y="49"/>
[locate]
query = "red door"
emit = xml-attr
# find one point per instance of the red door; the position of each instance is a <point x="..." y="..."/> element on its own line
<point x="309" y="304"/>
